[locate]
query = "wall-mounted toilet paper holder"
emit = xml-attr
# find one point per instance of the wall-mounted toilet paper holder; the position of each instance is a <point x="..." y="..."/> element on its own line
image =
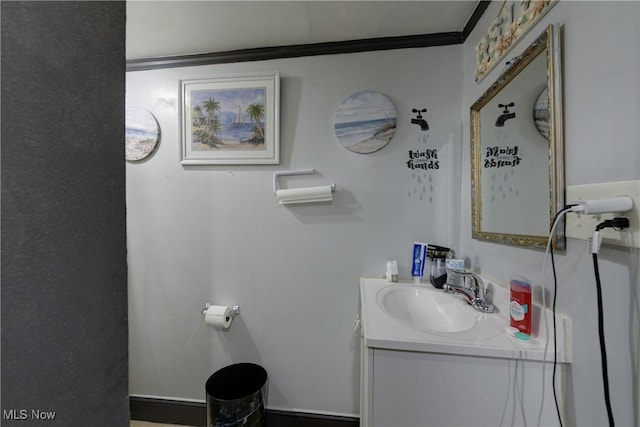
<point x="235" y="310"/>
<point x="277" y="175"/>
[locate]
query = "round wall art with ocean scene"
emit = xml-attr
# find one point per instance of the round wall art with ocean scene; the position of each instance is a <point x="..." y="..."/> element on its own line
<point x="365" y="122"/>
<point x="541" y="114"/>
<point x="141" y="134"/>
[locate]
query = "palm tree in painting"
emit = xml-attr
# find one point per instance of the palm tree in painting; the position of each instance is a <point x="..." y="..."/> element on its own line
<point x="212" y="124"/>
<point x="197" y="121"/>
<point x="197" y="113"/>
<point x="256" y="113"/>
<point x="211" y="107"/>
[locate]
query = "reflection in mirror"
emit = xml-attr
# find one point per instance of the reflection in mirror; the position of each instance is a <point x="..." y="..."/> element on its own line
<point x="517" y="173"/>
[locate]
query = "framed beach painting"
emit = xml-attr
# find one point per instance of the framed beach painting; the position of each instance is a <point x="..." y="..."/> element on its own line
<point x="365" y="122"/>
<point x="232" y="119"/>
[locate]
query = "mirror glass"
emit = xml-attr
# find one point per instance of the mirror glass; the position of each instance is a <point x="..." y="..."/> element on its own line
<point x="517" y="150"/>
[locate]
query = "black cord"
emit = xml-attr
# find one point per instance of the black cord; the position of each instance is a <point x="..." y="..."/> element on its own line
<point x="555" y="338"/>
<point x="618" y="223"/>
<point x="603" y="349"/>
<point x="553" y="311"/>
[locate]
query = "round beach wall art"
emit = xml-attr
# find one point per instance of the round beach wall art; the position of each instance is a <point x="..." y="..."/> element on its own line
<point x="542" y="114"/>
<point x="141" y="134"/>
<point x="365" y="122"/>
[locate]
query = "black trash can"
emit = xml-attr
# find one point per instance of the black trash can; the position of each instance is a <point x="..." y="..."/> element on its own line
<point x="237" y="396"/>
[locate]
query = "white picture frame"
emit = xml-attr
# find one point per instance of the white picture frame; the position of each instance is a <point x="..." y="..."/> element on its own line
<point x="230" y="119"/>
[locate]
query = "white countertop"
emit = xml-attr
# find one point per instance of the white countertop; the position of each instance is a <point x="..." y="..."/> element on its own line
<point x="382" y="331"/>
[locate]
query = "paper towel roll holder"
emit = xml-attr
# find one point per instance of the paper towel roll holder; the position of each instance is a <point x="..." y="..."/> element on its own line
<point x="235" y="310"/>
<point x="277" y="175"/>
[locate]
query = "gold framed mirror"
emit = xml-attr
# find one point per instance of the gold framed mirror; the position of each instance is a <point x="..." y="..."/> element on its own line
<point x="517" y="150"/>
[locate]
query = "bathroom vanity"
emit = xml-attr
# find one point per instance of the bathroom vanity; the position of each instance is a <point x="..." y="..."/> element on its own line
<point x="429" y="359"/>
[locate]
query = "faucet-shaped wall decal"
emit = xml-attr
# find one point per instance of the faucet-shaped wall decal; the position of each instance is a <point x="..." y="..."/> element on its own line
<point x="506" y="115"/>
<point x="419" y="120"/>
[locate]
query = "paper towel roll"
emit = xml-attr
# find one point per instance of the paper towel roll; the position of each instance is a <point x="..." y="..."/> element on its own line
<point x="219" y="316"/>
<point x="304" y="195"/>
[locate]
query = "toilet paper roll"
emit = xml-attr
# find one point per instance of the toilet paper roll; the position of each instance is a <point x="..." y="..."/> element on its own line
<point x="304" y="195"/>
<point x="219" y="316"/>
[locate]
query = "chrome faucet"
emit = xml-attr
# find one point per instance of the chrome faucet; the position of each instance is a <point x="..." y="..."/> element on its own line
<point x="475" y="292"/>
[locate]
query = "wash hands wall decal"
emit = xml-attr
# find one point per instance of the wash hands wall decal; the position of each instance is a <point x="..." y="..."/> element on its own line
<point x="424" y="160"/>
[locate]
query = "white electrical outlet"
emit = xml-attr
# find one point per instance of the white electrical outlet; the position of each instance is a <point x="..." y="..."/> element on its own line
<point x="581" y="226"/>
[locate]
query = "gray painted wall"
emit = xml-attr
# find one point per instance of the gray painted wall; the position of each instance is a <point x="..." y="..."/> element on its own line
<point x="217" y="234"/>
<point x="64" y="273"/>
<point x="172" y="353"/>
<point x="601" y="68"/>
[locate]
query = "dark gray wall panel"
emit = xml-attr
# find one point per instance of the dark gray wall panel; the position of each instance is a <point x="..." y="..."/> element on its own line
<point x="64" y="273"/>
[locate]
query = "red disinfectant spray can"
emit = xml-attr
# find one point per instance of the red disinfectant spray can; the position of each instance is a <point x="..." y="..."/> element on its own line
<point x="520" y="308"/>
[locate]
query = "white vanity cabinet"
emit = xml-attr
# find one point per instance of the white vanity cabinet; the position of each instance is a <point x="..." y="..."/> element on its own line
<point x="416" y="379"/>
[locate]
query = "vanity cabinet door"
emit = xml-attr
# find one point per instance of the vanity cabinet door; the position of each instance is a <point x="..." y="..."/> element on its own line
<point x="421" y="389"/>
<point x="428" y="389"/>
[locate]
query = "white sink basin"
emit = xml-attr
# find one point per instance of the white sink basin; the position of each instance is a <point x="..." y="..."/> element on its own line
<point x="420" y="318"/>
<point x="426" y="309"/>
